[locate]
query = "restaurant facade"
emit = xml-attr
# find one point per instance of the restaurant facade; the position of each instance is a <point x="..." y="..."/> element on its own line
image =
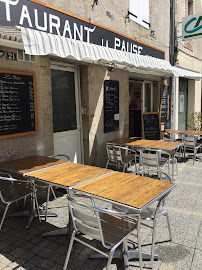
<point x="75" y="74"/>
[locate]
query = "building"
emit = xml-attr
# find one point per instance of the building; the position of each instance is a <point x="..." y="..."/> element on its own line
<point x="188" y="55"/>
<point x="93" y="67"/>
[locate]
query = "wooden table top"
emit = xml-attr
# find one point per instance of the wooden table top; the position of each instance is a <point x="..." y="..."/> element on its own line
<point x="28" y="164"/>
<point x="157" y="144"/>
<point x="132" y="190"/>
<point x="68" y="174"/>
<point x="191" y="132"/>
<point x="121" y="140"/>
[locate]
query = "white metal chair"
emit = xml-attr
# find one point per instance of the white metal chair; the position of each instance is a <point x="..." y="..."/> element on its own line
<point x="49" y="188"/>
<point x="151" y="158"/>
<point x="157" y="209"/>
<point x="190" y="144"/>
<point x="111" y="228"/>
<point x="120" y="157"/>
<point x="12" y="190"/>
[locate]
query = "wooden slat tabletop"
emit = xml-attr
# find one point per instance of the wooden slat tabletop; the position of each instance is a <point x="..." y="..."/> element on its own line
<point x="189" y="132"/>
<point x="28" y="164"/>
<point x="131" y="190"/>
<point x="164" y="145"/>
<point x="68" y="174"/>
<point x="121" y="141"/>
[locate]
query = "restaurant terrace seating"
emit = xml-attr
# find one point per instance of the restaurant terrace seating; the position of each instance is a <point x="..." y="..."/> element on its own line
<point x="153" y="159"/>
<point x="111" y="228"/>
<point x="156" y="209"/>
<point x="13" y="190"/>
<point x="191" y="144"/>
<point x="120" y="157"/>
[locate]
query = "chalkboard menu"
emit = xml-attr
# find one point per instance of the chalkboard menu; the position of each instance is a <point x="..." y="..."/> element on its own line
<point x="111" y="105"/>
<point x="18" y="115"/>
<point x="151" y="126"/>
<point x="164" y="103"/>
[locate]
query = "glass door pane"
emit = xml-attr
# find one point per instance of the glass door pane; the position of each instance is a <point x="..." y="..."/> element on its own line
<point x="64" y="102"/>
<point x="147" y="97"/>
<point x="182" y="108"/>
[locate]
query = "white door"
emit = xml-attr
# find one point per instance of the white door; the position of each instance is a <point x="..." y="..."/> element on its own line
<point x="66" y="112"/>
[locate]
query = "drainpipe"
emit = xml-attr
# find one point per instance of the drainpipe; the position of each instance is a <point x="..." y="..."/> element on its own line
<point x="172" y="80"/>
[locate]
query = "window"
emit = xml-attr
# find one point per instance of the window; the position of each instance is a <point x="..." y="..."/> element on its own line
<point x="189" y="7"/>
<point x="139" y="12"/>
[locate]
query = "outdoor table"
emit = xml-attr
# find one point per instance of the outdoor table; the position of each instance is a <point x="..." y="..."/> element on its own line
<point x="120" y="141"/>
<point x="59" y="173"/>
<point x="167" y="146"/>
<point x="132" y="191"/>
<point x="186" y="132"/>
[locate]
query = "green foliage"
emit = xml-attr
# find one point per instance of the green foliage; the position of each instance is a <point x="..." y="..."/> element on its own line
<point x="195" y="121"/>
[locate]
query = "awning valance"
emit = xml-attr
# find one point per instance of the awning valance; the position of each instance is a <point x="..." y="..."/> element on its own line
<point x="41" y="43"/>
<point x="181" y="72"/>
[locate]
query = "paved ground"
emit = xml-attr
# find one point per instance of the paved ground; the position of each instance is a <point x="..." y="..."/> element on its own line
<point x="27" y="249"/>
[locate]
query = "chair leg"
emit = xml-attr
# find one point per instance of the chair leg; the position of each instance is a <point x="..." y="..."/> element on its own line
<point x="107" y="164"/>
<point x="69" y="250"/>
<point x="36" y="202"/>
<point x="4" y="215"/>
<point x="139" y="246"/>
<point x="153" y="242"/>
<point x="47" y="201"/>
<point x="53" y="192"/>
<point x="125" y="167"/>
<point x="109" y="261"/>
<point x="125" y="255"/>
<point x="169" y="228"/>
<point x="176" y="167"/>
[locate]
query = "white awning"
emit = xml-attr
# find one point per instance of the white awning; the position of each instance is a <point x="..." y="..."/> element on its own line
<point x="41" y="43"/>
<point x="181" y="72"/>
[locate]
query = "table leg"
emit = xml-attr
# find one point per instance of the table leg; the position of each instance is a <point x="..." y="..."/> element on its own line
<point x="60" y="231"/>
<point x="34" y="211"/>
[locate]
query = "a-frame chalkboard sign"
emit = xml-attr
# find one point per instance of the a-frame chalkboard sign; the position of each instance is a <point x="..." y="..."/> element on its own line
<point x="18" y="108"/>
<point x="151" y="126"/>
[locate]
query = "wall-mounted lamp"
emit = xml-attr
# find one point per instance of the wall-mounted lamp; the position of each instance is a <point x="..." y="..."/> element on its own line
<point x="1" y="53"/>
<point x="112" y="67"/>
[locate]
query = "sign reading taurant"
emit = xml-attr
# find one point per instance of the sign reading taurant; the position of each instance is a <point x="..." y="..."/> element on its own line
<point x="35" y="15"/>
<point x="192" y="27"/>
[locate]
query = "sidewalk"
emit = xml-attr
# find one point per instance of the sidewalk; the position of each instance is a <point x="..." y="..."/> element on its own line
<point x="27" y="249"/>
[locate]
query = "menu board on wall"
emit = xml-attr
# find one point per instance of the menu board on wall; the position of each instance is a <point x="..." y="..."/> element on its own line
<point x="151" y="126"/>
<point x="18" y="113"/>
<point x="164" y="108"/>
<point x="111" y="105"/>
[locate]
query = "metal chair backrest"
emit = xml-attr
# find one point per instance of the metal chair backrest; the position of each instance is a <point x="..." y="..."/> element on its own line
<point x="114" y="153"/>
<point x="101" y="224"/>
<point x="189" y="141"/>
<point x="12" y="189"/>
<point x="149" y="158"/>
<point x="152" y="173"/>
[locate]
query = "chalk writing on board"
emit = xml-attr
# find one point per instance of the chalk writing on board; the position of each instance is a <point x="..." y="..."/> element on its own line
<point x="164" y="103"/>
<point x="17" y="103"/>
<point x="151" y="126"/>
<point x="111" y="105"/>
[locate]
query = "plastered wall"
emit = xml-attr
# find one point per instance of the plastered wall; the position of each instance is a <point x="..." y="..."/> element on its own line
<point x="189" y="56"/>
<point x="41" y="143"/>
<point x="159" y="18"/>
